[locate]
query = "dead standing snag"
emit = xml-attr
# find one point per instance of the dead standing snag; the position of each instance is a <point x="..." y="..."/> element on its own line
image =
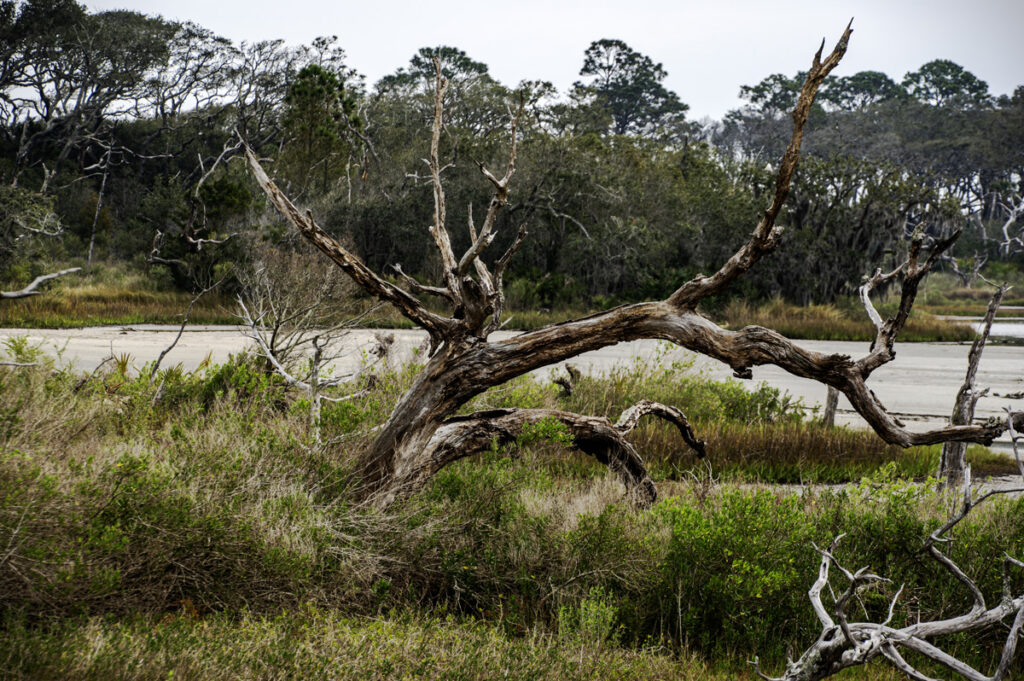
<point x="422" y="434"/>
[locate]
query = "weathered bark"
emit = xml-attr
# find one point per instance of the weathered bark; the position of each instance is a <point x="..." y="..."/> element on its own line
<point x="844" y="644"/>
<point x="461" y="436"/>
<point x="828" y="419"/>
<point x="421" y="434"/>
<point x="953" y="460"/>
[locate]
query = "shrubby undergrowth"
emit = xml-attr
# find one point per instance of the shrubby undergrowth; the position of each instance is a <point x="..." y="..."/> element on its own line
<point x="191" y="518"/>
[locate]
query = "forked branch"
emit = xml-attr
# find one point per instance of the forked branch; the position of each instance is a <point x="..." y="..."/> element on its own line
<point x="436" y="325"/>
<point x="844" y="644"/>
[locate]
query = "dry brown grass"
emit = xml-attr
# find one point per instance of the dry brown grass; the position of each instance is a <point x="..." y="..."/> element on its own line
<point x="827" y="322"/>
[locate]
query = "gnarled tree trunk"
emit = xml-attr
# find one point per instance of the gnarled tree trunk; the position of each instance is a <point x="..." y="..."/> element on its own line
<point x="422" y="435"/>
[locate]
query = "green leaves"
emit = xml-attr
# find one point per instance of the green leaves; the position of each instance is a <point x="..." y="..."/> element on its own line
<point x="942" y="82"/>
<point x="628" y="85"/>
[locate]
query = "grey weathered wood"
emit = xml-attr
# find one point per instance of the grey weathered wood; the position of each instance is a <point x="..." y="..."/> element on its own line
<point x="828" y="418"/>
<point x="953" y="460"/>
<point x="33" y="287"/>
<point x="843" y="644"/>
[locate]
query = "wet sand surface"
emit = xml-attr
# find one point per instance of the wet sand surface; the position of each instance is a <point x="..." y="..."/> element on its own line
<point x="919" y="386"/>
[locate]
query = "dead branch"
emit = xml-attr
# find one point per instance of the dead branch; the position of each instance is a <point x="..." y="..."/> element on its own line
<point x="1014" y="209"/>
<point x="154" y="257"/>
<point x="181" y="329"/>
<point x="568" y="383"/>
<point x="417" y="287"/>
<point x="406" y="303"/>
<point x="844" y="644"/>
<point x="953" y="461"/>
<point x="969" y="277"/>
<point x="31" y="289"/>
<point x="437" y="228"/>
<point x="498" y="199"/>
<point x="766" y="235"/>
<point x="631" y="417"/>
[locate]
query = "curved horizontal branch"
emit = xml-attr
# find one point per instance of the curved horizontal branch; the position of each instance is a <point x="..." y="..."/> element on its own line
<point x="596" y="436"/>
<point x="631" y="417"/>
<point x="30" y="290"/>
<point x="495" y="363"/>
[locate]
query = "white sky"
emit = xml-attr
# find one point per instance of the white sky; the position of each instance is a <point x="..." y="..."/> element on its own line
<point x="708" y="48"/>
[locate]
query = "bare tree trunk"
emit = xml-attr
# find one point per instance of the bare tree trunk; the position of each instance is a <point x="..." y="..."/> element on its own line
<point x="96" y="213"/>
<point x="314" y="392"/>
<point x="953" y="460"/>
<point x="828" y="419"/>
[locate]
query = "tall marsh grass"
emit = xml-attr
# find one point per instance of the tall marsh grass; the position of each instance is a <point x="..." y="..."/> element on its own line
<point x="828" y="322"/>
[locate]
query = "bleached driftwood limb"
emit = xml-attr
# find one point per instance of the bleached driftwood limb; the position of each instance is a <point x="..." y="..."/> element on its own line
<point x="843" y="644"/>
<point x="32" y="288"/>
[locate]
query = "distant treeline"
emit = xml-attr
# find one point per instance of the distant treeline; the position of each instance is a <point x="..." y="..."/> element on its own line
<point x="120" y="131"/>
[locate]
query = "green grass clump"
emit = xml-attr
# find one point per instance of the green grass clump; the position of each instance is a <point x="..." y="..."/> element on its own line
<point x="113" y="295"/>
<point x="311" y="643"/>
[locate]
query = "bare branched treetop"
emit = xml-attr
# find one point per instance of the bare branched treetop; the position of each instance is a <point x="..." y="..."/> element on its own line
<point x="422" y="434"/>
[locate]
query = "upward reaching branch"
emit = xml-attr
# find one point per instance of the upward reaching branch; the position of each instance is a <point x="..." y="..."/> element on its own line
<point x="498" y="199"/>
<point x="766" y="234"/>
<point x="407" y="304"/>
<point x="438" y="229"/>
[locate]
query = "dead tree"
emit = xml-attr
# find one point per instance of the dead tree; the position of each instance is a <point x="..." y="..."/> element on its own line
<point x="844" y="644"/>
<point x="970" y="276"/>
<point x="953" y="460"/>
<point x="422" y="434"/>
<point x="279" y="340"/>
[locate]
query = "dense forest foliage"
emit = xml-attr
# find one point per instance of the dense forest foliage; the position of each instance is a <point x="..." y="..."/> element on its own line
<point x="119" y="141"/>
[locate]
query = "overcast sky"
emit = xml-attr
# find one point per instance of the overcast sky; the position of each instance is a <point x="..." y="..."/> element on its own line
<point x="708" y="48"/>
